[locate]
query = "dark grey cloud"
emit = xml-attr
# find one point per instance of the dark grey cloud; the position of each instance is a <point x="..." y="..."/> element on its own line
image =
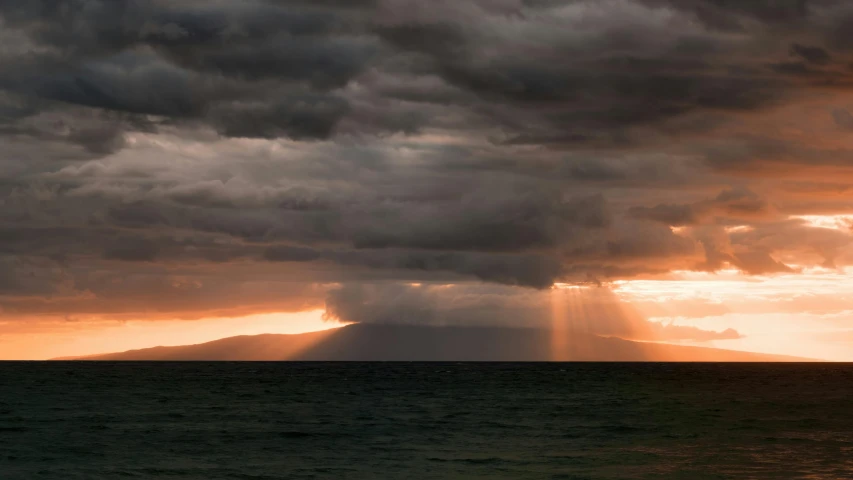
<point x="305" y="117"/>
<point x="224" y="62"/>
<point x="487" y="220"/>
<point x="728" y="206"/>
<point x="27" y="276"/>
<point x="728" y="15"/>
<point x="524" y="270"/>
<point x="132" y="250"/>
<point x="811" y="54"/>
<point x="134" y="85"/>
<point x="217" y="63"/>
<point x="324" y="64"/>
<point x="291" y="254"/>
<point x="183" y="60"/>
<point x="512" y="142"/>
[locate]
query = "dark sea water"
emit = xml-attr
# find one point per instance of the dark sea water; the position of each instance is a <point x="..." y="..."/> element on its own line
<point x="425" y="421"/>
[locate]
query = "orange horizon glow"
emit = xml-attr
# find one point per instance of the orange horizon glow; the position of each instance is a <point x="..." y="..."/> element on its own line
<point x="110" y="337"/>
<point x="712" y="301"/>
<point x="803" y="313"/>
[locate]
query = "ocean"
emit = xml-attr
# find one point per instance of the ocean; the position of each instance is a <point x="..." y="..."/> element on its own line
<point x="202" y="421"/>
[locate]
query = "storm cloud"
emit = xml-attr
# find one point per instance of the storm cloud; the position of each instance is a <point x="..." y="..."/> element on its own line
<point x="222" y="157"/>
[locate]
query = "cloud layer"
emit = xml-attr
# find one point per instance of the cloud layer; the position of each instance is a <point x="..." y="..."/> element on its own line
<point x="188" y="159"/>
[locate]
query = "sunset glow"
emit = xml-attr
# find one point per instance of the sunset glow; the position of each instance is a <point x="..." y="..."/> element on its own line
<point x="833" y="222"/>
<point x="805" y="314"/>
<point x="68" y="340"/>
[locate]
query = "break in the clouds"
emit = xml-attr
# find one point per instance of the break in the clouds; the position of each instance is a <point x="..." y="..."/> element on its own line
<point x="198" y="158"/>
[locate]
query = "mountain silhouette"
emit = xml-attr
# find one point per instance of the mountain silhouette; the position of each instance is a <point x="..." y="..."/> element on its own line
<point x="371" y="342"/>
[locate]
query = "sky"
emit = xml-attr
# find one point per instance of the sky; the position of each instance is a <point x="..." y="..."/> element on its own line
<point x="676" y="171"/>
